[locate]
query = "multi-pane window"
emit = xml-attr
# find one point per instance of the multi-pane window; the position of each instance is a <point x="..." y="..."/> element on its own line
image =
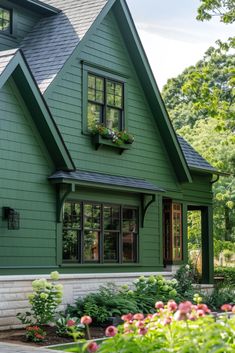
<point x="172" y="231"/>
<point x="99" y="233"/>
<point x="5" y="21"/>
<point x="105" y="102"/>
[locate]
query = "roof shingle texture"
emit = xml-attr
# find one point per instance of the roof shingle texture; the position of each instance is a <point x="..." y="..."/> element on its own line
<point x="5" y="58"/>
<point x="193" y="158"/>
<point x="54" y="38"/>
<point x="106" y="179"/>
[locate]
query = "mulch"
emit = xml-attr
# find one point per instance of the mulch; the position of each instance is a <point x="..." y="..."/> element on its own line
<point x="17" y="336"/>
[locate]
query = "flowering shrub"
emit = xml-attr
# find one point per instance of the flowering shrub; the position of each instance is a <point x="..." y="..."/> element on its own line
<point x="35" y="334"/>
<point x="117" y="137"/>
<point x="172" y="328"/>
<point x="44" y="301"/>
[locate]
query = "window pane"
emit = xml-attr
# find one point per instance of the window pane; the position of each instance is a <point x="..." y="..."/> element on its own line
<point x="92" y="216"/>
<point x="91" y="246"/>
<point x="5" y="18"/>
<point x="177" y="232"/>
<point x="6" y="15"/>
<point x="72" y="215"/>
<point x="129" y="239"/>
<point x="96" y="89"/>
<point x="113" y="118"/>
<point x="112" y="217"/>
<point x="91" y="81"/>
<point x="111" y="246"/>
<point x="129" y="247"/>
<point x="94" y="115"/>
<point x="115" y="94"/>
<point x="70" y="245"/>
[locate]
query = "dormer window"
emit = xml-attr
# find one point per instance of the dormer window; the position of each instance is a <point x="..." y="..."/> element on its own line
<point x="5" y="21"/>
<point x="105" y="102"/>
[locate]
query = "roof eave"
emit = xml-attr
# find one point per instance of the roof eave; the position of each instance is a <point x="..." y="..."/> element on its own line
<point x="38" y="6"/>
<point x="206" y="170"/>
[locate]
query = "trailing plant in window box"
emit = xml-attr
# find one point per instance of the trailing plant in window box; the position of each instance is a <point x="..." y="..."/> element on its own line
<point x="117" y="137"/>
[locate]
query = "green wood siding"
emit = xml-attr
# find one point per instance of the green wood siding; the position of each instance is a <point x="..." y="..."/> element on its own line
<point x="23" y="22"/>
<point x="25" y="166"/>
<point x="147" y="158"/>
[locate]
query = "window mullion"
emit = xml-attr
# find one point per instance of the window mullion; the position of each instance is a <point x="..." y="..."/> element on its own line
<point x="120" y="251"/>
<point x="101" y="245"/>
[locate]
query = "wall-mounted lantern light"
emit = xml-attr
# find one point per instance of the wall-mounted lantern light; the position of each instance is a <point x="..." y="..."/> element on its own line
<point x="12" y="217"/>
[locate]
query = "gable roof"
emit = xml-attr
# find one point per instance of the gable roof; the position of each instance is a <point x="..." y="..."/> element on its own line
<point x="53" y="39"/>
<point x="12" y="64"/>
<point x="193" y="158"/>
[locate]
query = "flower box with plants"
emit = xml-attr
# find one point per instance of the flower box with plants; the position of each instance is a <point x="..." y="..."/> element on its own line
<point x="102" y="135"/>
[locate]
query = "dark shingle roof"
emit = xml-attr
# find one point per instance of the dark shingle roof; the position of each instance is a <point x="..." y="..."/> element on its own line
<point x="54" y="38"/>
<point x="193" y="158"/>
<point x="105" y="179"/>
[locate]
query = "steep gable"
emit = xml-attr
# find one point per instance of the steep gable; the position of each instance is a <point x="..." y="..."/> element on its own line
<point x="54" y="38"/>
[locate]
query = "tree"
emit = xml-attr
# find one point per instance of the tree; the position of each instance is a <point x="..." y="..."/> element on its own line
<point x="204" y="90"/>
<point x="225" y="9"/>
<point x="201" y="104"/>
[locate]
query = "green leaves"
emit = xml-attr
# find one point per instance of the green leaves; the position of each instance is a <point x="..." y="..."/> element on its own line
<point x="225" y="9"/>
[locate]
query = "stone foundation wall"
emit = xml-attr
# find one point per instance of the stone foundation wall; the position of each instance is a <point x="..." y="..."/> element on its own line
<point x="14" y="291"/>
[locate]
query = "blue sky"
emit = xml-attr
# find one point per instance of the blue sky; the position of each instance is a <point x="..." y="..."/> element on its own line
<point x="172" y="37"/>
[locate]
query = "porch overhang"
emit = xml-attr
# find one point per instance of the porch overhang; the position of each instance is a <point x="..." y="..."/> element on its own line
<point x="105" y="181"/>
<point x="146" y="189"/>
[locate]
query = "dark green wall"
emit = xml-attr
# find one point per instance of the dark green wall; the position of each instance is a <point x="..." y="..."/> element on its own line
<point x="25" y="166"/>
<point x="23" y="22"/>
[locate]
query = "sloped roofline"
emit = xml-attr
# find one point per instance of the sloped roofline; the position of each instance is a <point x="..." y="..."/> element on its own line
<point x="18" y="69"/>
<point x="37" y="6"/>
<point x="148" y="82"/>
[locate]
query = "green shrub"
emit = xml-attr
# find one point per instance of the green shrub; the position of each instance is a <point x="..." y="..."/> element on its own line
<point x="109" y="301"/>
<point x="113" y="301"/>
<point x="228" y="273"/>
<point x="219" y="297"/>
<point x="44" y="301"/>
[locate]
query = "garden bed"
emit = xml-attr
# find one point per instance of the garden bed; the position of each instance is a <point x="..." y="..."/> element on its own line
<point x="18" y="336"/>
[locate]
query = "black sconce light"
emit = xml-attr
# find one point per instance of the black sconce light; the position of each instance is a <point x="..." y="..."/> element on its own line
<point x="12" y="217"/>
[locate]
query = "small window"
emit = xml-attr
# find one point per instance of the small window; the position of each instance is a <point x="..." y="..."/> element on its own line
<point x="99" y="233"/>
<point x="5" y="21"/>
<point x="105" y="102"/>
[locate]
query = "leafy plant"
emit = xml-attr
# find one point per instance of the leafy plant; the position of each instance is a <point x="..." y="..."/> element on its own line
<point x="177" y="329"/>
<point x="44" y="301"/>
<point x="229" y="275"/>
<point x="116" y="136"/>
<point x="64" y="322"/>
<point x="35" y="334"/>
<point x="220" y="296"/>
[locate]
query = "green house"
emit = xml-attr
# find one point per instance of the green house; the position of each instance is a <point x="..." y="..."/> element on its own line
<point x="94" y="180"/>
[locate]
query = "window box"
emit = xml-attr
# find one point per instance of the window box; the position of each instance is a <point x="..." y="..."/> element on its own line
<point x="99" y="141"/>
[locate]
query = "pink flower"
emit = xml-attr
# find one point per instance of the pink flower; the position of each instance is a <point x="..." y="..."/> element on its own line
<point x="159" y="305"/>
<point x="200" y="313"/>
<point x="142" y="331"/>
<point x="127" y="317"/>
<point x="203" y="307"/>
<point x="233" y="309"/>
<point x="138" y="316"/>
<point x="92" y="347"/>
<point x="226" y="307"/>
<point x="167" y="321"/>
<point x="70" y="323"/>
<point x="172" y="306"/>
<point x="139" y="324"/>
<point x="111" y="331"/>
<point x="180" y="316"/>
<point x="86" y="320"/>
<point x="185" y="307"/>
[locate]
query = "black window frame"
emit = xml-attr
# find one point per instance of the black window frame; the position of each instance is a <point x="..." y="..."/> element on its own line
<point x="81" y="231"/>
<point x="9" y="31"/>
<point x="104" y="106"/>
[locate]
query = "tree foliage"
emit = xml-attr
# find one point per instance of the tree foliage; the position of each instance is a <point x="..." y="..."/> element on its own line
<point x="224" y="9"/>
<point x="201" y="104"/>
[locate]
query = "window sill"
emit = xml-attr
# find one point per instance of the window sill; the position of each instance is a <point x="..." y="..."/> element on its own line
<point x="99" y="141"/>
